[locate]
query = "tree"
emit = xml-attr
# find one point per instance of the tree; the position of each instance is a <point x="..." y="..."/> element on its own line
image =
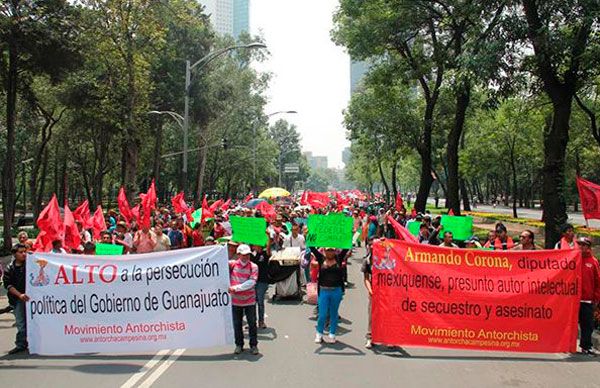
<point x="36" y="37"/>
<point x="565" y="40"/>
<point x="409" y="31"/>
<point x="380" y="117"/>
<point x="287" y="140"/>
<point x="132" y="32"/>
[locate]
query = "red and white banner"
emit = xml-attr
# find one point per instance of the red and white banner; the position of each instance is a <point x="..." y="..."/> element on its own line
<point x="132" y="303"/>
<point x="521" y="301"/>
<point x="589" y="195"/>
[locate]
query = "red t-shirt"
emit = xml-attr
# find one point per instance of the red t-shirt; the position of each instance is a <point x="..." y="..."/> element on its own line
<point x="197" y="239"/>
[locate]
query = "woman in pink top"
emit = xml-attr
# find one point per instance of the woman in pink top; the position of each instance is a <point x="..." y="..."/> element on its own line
<point x="144" y="240"/>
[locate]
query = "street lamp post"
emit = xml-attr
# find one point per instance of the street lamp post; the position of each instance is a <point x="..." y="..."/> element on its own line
<point x="188" y="79"/>
<point x="254" y="147"/>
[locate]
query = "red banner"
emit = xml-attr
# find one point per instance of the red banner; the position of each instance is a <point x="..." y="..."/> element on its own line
<point x="589" y="195"/>
<point x="521" y="301"/>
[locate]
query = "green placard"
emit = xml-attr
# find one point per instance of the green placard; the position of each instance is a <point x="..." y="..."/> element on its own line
<point x="460" y="226"/>
<point x="414" y="227"/>
<point x="249" y="230"/>
<point x="108" y="249"/>
<point x="197" y="214"/>
<point x="333" y="230"/>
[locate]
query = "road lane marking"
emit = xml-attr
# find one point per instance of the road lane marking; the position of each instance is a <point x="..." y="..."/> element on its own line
<point x="145" y="369"/>
<point x="162" y="368"/>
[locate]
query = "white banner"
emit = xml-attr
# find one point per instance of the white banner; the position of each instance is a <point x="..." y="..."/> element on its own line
<point x="130" y="303"/>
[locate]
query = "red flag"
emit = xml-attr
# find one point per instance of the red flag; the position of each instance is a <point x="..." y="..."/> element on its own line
<point x="401" y="232"/>
<point x="317" y="200"/>
<point x="42" y="243"/>
<point x="98" y="223"/>
<point x="248" y="197"/>
<point x="266" y="210"/>
<point x="82" y="214"/>
<point x="341" y="201"/>
<point x="304" y="198"/>
<point x="451" y="212"/>
<point x="124" y="207"/>
<point x="135" y="212"/>
<point x="216" y="205"/>
<point x="225" y="206"/>
<point x="149" y="199"/>
<point x="589" y="195"/>
<point x="179" y="204"/>
<point x="148" y="204"/>
<point x="49" y="221"/>
<point x="206" y="212"/>
<point x="72" y="237"/>
<point x="413" y="212"/>
<point x="399" y="202"/>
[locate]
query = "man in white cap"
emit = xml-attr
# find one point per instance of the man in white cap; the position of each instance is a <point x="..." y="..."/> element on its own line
<point x="243" y="277"/>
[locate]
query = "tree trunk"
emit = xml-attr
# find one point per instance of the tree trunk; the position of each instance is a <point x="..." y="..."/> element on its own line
<point x="513" y="168"/>
<point x="454" y="136"/>
<point x="424" y="150"/>
<point x="132" y="144"/>
<point x="64" y="186"/>
<point x="157" y="151"/>
<point x="555" y="147"/>
<point x="39" y="193"/>
<point x="200" y="176"/>
<point x="8" y="169"/>
<point x="465" y="195"/>
<point x="383" y="180"/>
<point x="394" y="180"/>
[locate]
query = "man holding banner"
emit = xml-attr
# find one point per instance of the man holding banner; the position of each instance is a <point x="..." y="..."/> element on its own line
<point x="590" y="295"/>
<point x="244" y="274"/>
<point x="14" y="281"/>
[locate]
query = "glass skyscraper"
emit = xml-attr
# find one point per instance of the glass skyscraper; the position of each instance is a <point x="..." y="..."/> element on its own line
<point x="228" y="17"/>
<point x="241" y="17"/>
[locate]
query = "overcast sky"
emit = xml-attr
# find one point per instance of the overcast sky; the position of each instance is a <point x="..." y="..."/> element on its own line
<point x="310" y="73"/>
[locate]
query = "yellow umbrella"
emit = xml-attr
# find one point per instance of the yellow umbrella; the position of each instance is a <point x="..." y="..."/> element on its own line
<point x="274" y="192"/>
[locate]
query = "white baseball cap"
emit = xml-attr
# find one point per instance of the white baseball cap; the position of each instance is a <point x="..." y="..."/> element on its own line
<point x="243" y="250"/>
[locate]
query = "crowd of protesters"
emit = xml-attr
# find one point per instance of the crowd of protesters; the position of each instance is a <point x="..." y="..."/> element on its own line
<point x="286" y="227"/>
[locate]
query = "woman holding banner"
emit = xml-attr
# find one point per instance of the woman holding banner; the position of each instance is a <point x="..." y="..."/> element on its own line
<point x="330" y="285"/>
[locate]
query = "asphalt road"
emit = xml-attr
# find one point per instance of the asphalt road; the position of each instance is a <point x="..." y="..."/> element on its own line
<point x="290" y="358"/>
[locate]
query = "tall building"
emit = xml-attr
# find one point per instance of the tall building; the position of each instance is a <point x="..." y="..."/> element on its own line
<point x="357" y="72"/>
<point x="228" y="17"/>
<point x="316" y="161"/>
<point x="346" y="155"/>
<point x="241" y="17"/>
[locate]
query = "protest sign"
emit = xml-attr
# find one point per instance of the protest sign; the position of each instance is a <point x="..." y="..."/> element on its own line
<point x="413" y="227"/>
<point x="460" y="226"/>
<point x="249" y="230"/>
<point x="522" y="301"/>
<point x="332" y="230"/>
<point x="197" y="215"/>
<point x="146" y="302"/>
<point x="108" y="249"/>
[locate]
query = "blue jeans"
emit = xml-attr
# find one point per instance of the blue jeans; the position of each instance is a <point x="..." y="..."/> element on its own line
<point x="329" y="303"/>
<point x="261" y="290"/>
<point x="21" y="320"/>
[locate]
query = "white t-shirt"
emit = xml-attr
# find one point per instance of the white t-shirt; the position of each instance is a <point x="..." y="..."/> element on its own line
<point x="291" y="241"/>
<point x="162" y="243"/>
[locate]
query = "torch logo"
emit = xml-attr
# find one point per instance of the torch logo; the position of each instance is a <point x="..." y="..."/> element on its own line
<point x="386" y="262"/>
<point x="41" y="279"/>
